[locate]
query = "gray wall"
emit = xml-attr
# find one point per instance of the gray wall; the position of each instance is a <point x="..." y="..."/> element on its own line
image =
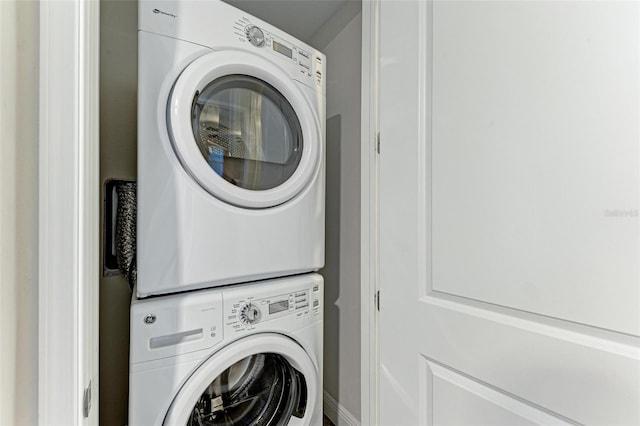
<point x="19" y="43"/>
<point x="118" y="93"/>
<point x="342" y="270"/>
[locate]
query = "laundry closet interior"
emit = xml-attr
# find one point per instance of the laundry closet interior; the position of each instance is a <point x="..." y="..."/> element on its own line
<point x="334" y="27"/>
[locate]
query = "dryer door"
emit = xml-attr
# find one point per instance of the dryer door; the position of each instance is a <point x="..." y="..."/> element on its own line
<point x="265" y="379"/>
<point x="243" y="129"/>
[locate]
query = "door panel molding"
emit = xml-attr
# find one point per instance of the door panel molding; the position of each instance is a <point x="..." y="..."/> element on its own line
<point x="534" y="143"/>
<point x="425" y="136"/>
<point x="596" y="338"/>
<point x="544" y="367"/>
<point x="539" y="363"/>
<point x="487" y="398"/>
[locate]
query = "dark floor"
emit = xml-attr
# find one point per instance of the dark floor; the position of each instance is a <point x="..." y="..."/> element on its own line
<point x="326" y="421"/>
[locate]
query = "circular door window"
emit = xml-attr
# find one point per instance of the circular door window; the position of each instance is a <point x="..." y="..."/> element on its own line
<point x="243" y="129"/>
<point x="266" y="379"/>
<point x="247" y="132"/>
<point x="261" y="389"/>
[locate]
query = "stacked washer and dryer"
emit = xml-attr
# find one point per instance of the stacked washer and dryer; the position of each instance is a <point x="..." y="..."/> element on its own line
<point x="227" y="314"/>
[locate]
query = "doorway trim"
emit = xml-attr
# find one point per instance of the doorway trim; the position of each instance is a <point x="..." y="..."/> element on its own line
<point x="369" y="215"/>
<point x="68" y="196"/>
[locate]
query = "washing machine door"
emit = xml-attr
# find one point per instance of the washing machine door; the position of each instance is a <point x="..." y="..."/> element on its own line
<point x="266" y="379"/>
<point x="243" y="129"/>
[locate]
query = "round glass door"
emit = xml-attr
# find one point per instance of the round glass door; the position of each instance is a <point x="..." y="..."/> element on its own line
<point x="247" y="132"/>
<point x="261" y="389"/>
<point x="244" y="130"/>
<point x="264" y="379"/>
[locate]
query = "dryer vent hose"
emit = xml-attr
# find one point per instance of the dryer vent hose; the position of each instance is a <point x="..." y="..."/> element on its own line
<point x="126" y="230"/>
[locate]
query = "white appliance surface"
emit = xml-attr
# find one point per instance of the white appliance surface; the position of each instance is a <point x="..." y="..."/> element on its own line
<point x="231" y="115"/>
<point x="202" y="355"/>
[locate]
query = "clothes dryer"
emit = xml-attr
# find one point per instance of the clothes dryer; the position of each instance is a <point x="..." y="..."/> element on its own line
<point x="243" y="354"/>
<point x="231" y="115"/>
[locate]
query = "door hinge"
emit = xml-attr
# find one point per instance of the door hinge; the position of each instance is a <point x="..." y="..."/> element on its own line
<point x="86" y="401"/>
<point x="378" y="143"/>
<point x="376" y="300"/>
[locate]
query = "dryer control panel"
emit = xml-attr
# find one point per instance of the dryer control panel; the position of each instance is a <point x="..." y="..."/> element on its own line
<point x="308" y="63"/>
<point x="219" y="25"/>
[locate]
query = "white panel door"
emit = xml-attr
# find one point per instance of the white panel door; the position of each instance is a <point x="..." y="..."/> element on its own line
<point x="509" y="223"/>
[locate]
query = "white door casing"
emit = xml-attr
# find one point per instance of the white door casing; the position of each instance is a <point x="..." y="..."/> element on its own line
<point x="369" y="215"/>
<point x="509" y="228"/>
<point x="68" y="210"/>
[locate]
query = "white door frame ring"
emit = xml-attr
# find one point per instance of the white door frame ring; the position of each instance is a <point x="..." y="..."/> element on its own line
<point x="200" y="379"/>
<point x="210" y="67"/>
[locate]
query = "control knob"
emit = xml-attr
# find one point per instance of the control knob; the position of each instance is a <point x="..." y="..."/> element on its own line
<point x="255" y="35"/>
<point x="249" y="314"/>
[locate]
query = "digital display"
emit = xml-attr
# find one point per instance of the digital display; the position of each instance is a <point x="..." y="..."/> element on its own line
<point x="281" y="48"/>
<point x="279" y="306"/>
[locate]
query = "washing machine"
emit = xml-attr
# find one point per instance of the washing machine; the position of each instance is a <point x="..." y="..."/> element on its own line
<point x="248" y="354"/>
<point x="231" y="128"/>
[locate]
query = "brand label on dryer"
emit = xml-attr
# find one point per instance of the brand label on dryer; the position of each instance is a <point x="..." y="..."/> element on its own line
<point x="162" y="12"/>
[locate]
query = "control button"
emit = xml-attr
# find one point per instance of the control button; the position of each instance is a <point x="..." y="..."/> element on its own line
<point x="249" y="314"/>
<point x="255" y="35"/>
<point x="316" y="303"/>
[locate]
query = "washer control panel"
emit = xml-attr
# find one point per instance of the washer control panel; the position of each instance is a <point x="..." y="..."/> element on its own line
<point x="167" y="326"/>
<point x="255" y="35"/>
<point x="248" y="312"/>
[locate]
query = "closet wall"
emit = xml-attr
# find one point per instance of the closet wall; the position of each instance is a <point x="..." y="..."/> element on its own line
<point x="118" y="94"/>
<point x="342" y="270"/>
<point x="339" y="38"/>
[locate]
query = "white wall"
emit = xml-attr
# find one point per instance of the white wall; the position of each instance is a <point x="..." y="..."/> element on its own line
<point x="342" y="270"/>
<point x="19" y="43"/>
